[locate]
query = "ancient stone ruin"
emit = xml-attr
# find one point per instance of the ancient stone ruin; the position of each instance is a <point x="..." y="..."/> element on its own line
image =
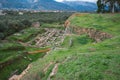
<point x="51" y="37"/>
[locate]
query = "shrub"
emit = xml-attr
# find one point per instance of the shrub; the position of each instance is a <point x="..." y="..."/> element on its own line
<point x="27" y="23"/>
<point x="1" y="36"/>
<point x="3" y="27"/>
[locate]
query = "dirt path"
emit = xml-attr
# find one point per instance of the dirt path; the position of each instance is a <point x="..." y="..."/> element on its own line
<point x="47" y="66"/>
<point x="54" y="71"/>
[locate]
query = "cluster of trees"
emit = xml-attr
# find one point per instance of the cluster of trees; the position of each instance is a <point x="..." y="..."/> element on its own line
<point x="108" y="6"/>
<point x="7" y="28"/>
<point x="13" y="22"/>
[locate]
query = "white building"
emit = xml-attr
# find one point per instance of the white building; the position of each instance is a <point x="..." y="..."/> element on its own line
<point x="20" y="13"/>
<point x="1" y="12"/>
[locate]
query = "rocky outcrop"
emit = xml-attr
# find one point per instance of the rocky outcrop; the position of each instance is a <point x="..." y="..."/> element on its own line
<point x="97" y="35"/>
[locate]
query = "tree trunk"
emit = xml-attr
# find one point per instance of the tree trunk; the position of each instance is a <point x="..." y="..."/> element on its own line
<point x="113" y="8"/>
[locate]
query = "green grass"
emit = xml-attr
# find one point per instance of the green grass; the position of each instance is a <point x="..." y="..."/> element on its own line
<point x="13" y="51"/>
<point x="18" y="64"/>
<point x="90" y="66"/>
<point x="10" y="50"/>
<point x="85" y="60"/>
<point x="77" y="40"/>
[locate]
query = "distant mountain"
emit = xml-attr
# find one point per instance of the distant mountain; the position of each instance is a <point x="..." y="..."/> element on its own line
<point x="14" y="4"/>
<point x="81" y="5"/>
<point x="48" y="5"/>
<point x="34" y="4"/>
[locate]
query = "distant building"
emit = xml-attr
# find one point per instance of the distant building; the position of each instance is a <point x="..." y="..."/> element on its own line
<point x="1" y="12"/>
<point x="20" y="13"/>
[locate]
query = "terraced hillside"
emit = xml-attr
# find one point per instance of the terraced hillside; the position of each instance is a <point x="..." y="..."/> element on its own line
<point x="81" y="56"/>
<point x="27" y="43"/>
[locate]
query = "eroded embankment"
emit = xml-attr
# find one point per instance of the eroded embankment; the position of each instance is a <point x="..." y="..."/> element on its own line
<point x="93" y="33"/>
<point x="96" y="35"/>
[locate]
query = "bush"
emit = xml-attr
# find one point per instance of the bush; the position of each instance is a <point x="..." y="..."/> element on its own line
<point x="12" y="22"/>
<point x="1" y="36"/>
<point x="27" y="23"/>
<point x="3" y="27"/>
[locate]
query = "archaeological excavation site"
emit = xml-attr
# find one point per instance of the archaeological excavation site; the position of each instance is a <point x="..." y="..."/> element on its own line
<point x="60" y="46"/>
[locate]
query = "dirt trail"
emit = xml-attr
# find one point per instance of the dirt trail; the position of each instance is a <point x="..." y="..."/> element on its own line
<point x="54" y="71"/>
<point x="55" y="68"/>
<point x="47" y="66"/>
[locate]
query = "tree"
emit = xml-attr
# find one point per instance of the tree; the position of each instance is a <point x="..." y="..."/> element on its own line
<point x="3" y="27"/>
<point x="113" y="5"/>
<point x="27" y="23"/>
<point x="100" y="6"/>
<point x="1" y="36"/>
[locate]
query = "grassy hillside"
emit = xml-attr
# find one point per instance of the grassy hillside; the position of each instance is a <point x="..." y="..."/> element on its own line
<point x="13" y="55"/>
<point x="83" y="59"/>
<point x="15" y="49"/>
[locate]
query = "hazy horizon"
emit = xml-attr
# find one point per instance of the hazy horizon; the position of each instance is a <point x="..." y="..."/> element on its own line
<point x="77" y="0"/>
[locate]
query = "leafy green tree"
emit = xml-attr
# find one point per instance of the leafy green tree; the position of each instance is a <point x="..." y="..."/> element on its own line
<point x="1" y="36"/>
<point x="27" y="23"/>
<point x="113" y="5"/>
<point x="3" y="27"/>
<point x="100" y="6"/>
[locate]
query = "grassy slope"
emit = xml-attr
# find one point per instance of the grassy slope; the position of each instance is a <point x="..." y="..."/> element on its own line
<point x="85" y="61"/>
<point x="105" y="22"/>
<point x="11" y="49"/>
